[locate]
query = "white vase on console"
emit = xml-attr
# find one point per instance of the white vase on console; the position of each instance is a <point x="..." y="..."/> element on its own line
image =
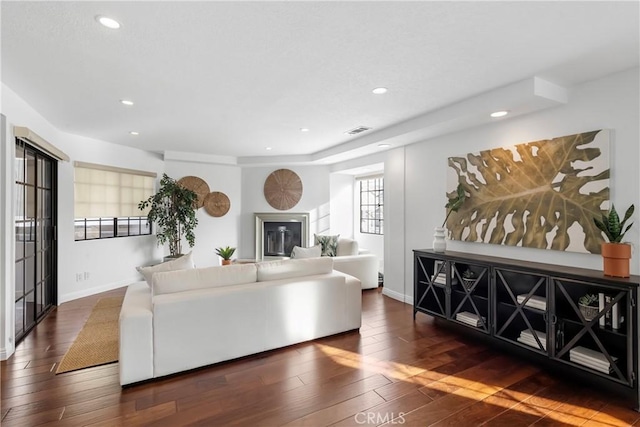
<point x="439" y="242"/>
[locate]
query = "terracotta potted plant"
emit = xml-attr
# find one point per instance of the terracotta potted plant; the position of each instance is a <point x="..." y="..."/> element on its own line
<point x="615" y="253"/>
<point x="225" y="254"/>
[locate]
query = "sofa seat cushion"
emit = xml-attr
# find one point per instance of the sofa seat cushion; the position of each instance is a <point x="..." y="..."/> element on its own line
<point x="185" y="262"/>
<point x="202" y="278"/>
<point x="287" y="269"/>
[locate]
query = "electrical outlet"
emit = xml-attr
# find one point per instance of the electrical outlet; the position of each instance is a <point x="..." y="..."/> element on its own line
<point x="86" y="275"/>
<point x="78" y="277"/>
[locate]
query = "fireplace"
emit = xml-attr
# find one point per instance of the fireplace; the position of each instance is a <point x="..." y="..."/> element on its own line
<point x="278" y="233"/>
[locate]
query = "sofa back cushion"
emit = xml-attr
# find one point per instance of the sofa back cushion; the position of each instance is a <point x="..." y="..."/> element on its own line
<point x="185" y="262"/>
<point x="312" y="252"/>
<point x="347" y="247"/>
<point x="202" y="278"/>
<point x="290" y="268"/>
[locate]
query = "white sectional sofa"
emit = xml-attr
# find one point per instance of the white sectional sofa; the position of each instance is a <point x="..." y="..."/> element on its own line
<point x="356" y="262"/>
<point x="196" y="317"/>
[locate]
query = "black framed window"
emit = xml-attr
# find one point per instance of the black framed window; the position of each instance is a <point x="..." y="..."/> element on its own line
<point x="106" y="201"/>
<point x="371" y="205"/>
<point x="104" y="228"/>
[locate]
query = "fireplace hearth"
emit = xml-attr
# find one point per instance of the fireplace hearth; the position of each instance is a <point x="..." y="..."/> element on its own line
<point x="278" y="233"/>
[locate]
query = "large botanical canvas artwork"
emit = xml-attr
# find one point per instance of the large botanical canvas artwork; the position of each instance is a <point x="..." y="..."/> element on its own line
<point x="541" y="194"/>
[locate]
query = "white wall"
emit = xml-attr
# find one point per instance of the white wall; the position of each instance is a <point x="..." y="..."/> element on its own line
<point x="212" y="232"/>
<point x="608" y="103"/>
<point x="341" y="188"/>
<point x="315" y="201"/>
<point x="395" y="250"/>
<point x="6" y="244"/>
<point x="110" y="263"/>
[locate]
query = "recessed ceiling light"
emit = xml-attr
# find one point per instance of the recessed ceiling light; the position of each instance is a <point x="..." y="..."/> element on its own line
<point x="384" y="145"/>
<point x="133" y="132"/>
<point x="108" y="22"/>
<point x="268" y="148"/>
<point x="126" y="102"/>
<point x="304" y="129"/>
<point x="499" y="113"/>
<point x="379" y="90"/>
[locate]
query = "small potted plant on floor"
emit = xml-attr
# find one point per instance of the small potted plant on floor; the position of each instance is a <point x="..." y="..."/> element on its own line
<point x="588" y="304"/>
<point x="615" y="253"/>
<point x="225" y="254"/>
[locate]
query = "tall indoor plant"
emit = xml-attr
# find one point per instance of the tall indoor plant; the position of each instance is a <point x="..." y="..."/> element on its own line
<point x="173" y="211"/>
<point x="615" y="254"/>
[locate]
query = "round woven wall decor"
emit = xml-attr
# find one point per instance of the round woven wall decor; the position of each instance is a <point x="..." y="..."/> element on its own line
<point x="197" y="185"/>
<point x="283" y="189"/>
<point x="217" y="204"/>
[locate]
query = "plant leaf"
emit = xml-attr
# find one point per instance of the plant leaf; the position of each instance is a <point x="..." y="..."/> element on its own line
<point x="520" y="201"/>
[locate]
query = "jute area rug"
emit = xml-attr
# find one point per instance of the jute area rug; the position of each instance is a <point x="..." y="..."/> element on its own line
<point x="98" y="341"/>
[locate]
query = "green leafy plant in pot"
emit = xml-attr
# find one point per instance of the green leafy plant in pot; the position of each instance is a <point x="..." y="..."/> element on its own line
<point x="588" y="304"/>
<point x="172" y="208"/>
<point x="615" y="253"/>
<point x="453" y="205"/>
<point x="468" y="278"/>
<point x="226" y="254"/>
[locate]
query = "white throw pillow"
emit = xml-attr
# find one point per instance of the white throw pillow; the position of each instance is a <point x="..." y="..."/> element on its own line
<point x="185" y="262"/>
<point x="312" y="252"/>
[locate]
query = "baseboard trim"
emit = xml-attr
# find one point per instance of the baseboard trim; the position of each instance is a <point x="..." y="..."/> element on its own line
<point x="6" y="353"/>
<point x="92" y="291"/>
<point x="397" y="296"/>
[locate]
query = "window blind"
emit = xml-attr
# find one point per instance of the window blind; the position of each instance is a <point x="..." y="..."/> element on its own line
<point x="106" y="191"/>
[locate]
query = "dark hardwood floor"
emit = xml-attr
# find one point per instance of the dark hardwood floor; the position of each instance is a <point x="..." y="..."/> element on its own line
<point x="393" y="372"/>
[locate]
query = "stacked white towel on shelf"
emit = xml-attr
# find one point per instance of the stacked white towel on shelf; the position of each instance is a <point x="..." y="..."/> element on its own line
<point x="534" y="302"/>
<point x="591" y="359"/>
<point x="526" y="337"/>
<point x="469" y="318"/>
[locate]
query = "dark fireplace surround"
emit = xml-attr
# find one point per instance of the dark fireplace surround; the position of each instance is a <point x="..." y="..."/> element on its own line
<point x="277" y="233"/>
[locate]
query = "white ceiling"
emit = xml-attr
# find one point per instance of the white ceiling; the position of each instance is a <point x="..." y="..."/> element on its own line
<point x="232" y="78"/>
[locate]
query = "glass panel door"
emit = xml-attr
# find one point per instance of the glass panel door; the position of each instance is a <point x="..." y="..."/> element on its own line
<point x="521" y="309"/>
<point x="470" y="295"/>
<point x="35" y="286"/>
<point x="594" y="333"/>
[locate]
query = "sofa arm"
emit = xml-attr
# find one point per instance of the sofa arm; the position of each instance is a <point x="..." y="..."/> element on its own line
<point x="363" y="267"/>
<point x="136" y="335"/>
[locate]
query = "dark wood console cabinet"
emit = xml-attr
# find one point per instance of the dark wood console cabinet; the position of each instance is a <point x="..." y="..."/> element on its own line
<point x="532" y="309"/>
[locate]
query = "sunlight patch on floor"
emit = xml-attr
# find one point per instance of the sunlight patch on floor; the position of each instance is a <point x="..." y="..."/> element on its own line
<point x="477" y="390"/>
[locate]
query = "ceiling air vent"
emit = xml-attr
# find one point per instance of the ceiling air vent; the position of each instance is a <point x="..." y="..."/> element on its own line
<point x="357" y="130"/>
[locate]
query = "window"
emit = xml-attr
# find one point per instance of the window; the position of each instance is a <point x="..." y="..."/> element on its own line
<point x="106" y="201"/>
<point x="371" y="205"/>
